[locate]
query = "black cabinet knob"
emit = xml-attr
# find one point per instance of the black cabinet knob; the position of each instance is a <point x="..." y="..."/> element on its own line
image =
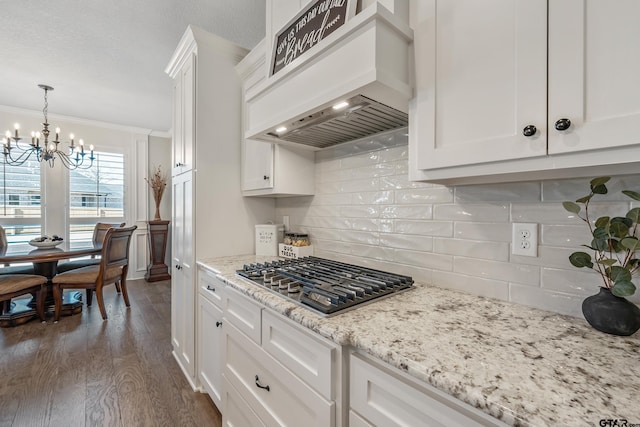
<point x="529" y="130"/>
<point x="563" y="124"/>
<point x="266" y="177"/>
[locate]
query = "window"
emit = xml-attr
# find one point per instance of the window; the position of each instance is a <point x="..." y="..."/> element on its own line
<point x="96" y="195"/>
<point x="20" y="210"/>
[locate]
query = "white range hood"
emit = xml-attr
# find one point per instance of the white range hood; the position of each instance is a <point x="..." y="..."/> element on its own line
<point x="364" y="63"/>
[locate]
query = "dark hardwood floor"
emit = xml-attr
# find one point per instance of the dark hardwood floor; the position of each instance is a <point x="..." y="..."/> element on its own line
<point x="82" y="371"/>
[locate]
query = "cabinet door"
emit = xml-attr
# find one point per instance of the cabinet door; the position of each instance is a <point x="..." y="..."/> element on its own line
<point x="258" y="165"/>
<point x="183" y="287"/>
<point x="184" y="117"/>
<point x="210" y="351"/>
<point x="236" y="411"/>
<point x="593" y="74"/>
<point x="480" y="80"/>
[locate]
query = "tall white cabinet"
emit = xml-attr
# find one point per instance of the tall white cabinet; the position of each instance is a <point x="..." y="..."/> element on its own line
<point x="210" y="216"/>
<point x="509" y="90"/>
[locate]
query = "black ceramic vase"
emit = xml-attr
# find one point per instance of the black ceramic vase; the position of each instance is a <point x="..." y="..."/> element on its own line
<point x="611" y="314"/>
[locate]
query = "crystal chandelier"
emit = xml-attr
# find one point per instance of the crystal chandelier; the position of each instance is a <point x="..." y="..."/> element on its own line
<point x="17" y="153"/>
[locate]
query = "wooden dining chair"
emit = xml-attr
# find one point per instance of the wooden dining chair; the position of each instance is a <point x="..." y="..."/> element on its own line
<point x="7" y="268"/>
<point x="99" y="232"/>
<point x="113" y="268"/>
<point x="15" y="285"/>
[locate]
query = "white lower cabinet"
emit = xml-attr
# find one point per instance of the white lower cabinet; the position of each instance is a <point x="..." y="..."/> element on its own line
<point x="236" y="411"/>
<point x="381" y="396"/>
<point x="209" y="348"/>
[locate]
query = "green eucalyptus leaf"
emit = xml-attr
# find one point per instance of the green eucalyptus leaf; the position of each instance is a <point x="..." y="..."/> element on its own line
<point x="599" y="181"/>
<point x="571" y="207"/>
<point x="584" y="199"/>
<point x="634" y="215"/>
<point x="607" y="261"/>
<point x="599" y="244"/>
<point x="580" y="259"/>
<point x="633" y="263"/>
<point x="602" y="221"/>
<point x="615" y="245"/>
<point x="600" y="233"/>
<point x="634" y="195"/>
<point x="620" y="226"/>
<point x="631" y="243"/>
<point x="618" y="273"/>
<point x="623" y="288"/>
<point x="599" y="189"/>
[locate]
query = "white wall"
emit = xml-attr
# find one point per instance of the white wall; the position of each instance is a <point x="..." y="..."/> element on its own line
<point x="365" y="211"/>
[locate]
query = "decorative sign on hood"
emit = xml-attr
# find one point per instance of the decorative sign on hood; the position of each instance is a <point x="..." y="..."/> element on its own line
<point x="309" y="27"/>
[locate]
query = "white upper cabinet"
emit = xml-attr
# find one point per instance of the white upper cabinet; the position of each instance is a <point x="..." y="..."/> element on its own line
<point x="183" y="116"/>
<point x="270" y="169"/>
<point x="508" y="90"/>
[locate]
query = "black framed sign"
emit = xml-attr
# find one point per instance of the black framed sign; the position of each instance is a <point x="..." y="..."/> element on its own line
<point x="315" y="22"/>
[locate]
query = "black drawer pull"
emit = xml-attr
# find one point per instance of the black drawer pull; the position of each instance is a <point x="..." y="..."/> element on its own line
<point x="209" y="288"/>
<point x="266" y="387"/>
<point x="218" y="324"/>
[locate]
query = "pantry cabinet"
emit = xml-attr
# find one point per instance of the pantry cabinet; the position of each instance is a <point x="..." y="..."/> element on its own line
<point x="268" y="169"/>
<point x="182" y="274"/>
<point x="206" y="134"/>
<point x="509" y="90"/>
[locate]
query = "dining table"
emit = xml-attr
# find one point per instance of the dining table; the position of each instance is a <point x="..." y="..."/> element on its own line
<point x="45" y="262"/>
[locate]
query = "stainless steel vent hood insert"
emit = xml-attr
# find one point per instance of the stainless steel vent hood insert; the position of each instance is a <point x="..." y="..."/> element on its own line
<point x="365" y="63"/>
<point x="359" y="118"/>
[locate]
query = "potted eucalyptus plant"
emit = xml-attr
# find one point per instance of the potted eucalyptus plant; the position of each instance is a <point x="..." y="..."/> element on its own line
<point x="614" y="244"/>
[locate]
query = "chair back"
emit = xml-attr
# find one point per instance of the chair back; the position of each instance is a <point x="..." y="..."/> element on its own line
<point x="115" y="249"/>
<point x="100" y="230"/>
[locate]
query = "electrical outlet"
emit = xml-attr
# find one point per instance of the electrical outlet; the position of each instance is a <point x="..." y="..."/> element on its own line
<point x="524" y="239"/>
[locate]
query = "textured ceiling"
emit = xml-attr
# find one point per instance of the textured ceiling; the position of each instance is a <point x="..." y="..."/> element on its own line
<point x="106" y="58"/>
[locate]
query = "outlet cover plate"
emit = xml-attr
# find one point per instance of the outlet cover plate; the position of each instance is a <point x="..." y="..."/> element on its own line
<point x="524" y="239"/>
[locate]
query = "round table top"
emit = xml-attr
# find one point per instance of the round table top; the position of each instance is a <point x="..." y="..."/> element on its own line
<point x="24" y="252"/>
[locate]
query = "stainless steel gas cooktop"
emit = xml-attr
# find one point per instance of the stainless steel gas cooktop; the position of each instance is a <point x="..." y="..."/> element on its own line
<point x="325" y="286"/>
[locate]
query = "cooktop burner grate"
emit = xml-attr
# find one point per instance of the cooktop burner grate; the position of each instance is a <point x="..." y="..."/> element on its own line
<point x="325" y="286"/>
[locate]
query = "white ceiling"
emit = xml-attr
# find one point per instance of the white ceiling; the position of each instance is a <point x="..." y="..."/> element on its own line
<point x="106" y="58"/>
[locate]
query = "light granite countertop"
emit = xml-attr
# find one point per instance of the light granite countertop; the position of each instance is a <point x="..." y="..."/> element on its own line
<point x="521" y="365"/>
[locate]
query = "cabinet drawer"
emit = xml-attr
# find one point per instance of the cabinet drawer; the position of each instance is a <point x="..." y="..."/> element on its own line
<point x="211" y="287"/>
<point x="387" y="400"/>
<point x="243" y="314"/>
<point x="356" y="420"/>
<point x="287" y="401"/>
<point x="307" y="357"/>
<point x="236" y="412"/>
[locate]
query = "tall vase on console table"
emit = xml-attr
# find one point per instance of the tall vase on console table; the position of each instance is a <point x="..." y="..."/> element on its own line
<point x="158" y="233"/>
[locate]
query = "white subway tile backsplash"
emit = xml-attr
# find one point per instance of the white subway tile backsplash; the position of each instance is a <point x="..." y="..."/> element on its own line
<point x="360" y="211"/>
<point x="511" y="192"/>
<point x="427" y="228"/>
<point x="485" y="231"/>
<point x="472" y="285"/>
<point x="372" y="197"/>
<point x="407" y="241"/>
<point x="498" y="251"/>
<point x="424" y="259"/>
<point x="407" y="212"/>
<point x="365" y="211"/>
<point x="437" y="194"/>
<point x="470" y="212"/>
<point x="504" y="271"/>
<point x="558" y="302"/>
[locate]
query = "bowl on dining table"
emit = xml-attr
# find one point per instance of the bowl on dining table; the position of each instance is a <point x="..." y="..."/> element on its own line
<point x="45" y="242"/>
